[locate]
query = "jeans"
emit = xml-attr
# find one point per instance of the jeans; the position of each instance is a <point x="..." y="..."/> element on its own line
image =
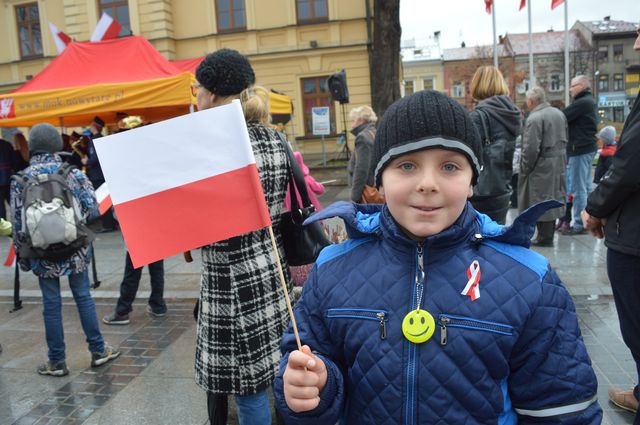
<point x="580" y="171"/>
<point x="52" y="302"/>
<point x="624" y="275"/>
<point x="131" y="282"/>
<point x="254" y="409"/>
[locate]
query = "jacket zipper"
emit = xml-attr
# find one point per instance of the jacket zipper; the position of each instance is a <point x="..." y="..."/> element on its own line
<point x="466" y="322"/>
<point x="411" y="362"/>
<point x="357" y="313"/>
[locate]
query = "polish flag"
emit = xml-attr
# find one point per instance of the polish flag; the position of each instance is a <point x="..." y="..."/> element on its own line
<point x="61" y="39"/>
<point x="556" y="3"/>
<point x="104" y="199"/>
<point x="523" y="3"/>
<point x="183" y="183"/>
<point x="487" y="5"/>
<point x="11" y="256"/>
<point x="106" y="29"/>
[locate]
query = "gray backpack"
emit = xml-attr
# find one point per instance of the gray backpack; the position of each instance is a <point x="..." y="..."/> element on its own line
<point x="52" y="226"/>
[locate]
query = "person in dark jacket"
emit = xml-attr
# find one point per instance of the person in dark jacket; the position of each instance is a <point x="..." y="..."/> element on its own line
<point x="432" y="313"/>
<point x="6" y="170"/>
<point x="363" y="121"/>
<point x="581" y="149"/>
<point x="607" y="137"/>
<point x="613" y="212"/>
<point x="94" y="171"/>
<point x="499" y="123"/>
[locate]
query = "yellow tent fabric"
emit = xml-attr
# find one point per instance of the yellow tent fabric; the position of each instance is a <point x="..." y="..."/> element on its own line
<point x="279" y="103"/>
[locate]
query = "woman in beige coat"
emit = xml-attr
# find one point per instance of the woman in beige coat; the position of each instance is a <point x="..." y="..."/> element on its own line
<point x="543" y="161"/>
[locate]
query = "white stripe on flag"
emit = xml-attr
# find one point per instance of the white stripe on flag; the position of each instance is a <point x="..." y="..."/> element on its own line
<point x="103" y="25"/>
<point x="213" y="141"/>
<point x="60" y="45"/>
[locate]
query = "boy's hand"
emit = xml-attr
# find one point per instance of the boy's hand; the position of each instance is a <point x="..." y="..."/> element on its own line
<point x="304" y="379"/>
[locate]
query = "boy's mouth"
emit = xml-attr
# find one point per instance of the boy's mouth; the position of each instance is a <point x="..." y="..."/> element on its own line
<point x="427" y="209"/>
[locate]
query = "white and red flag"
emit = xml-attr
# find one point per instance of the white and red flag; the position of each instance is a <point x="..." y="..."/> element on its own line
<point x="472" y="289"/>
<point x="523" y="3"/>
<point x="106" y="29"/>
<point x="556" y="3"/>
<point x="183" y="183"/>
<point x="487" y="5"/>
<point x="104" y="198"/>
<point x="11" y="256"/>
<point x="61" y="39"/>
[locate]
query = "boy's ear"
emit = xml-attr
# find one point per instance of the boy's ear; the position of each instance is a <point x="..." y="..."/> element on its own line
<point x="381" y="190"/>
<point x="470" y="191"/>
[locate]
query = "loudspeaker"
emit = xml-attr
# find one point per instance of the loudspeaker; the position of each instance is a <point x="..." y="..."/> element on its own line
<point x="338" y="87"/>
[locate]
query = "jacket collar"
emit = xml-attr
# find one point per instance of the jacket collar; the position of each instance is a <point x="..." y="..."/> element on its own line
<point x="357" y="130"/>
<point x="40" y="157"/>
<point x="583" y="93"/>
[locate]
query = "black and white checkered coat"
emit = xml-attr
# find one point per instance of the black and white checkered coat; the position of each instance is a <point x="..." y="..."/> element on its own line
<point x="242" y="307"/>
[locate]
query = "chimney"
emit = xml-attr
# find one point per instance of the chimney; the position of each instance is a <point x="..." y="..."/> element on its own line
<point x="607" y="18"/>
<point x="463" y="44"/>
<point x="500" y="39"/>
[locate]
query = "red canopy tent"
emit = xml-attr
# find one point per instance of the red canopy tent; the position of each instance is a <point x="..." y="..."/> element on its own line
<point x="100" y="78"/>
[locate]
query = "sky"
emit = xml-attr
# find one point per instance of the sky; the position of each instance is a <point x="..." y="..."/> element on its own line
<point x="466" y="20"/>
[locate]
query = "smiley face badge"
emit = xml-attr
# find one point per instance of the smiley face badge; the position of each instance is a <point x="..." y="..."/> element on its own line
<point x="418" y="326"/>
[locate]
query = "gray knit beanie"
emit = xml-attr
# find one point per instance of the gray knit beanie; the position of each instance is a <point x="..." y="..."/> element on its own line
<point x="608" y="135"/>
<point x="44" y="138"/>
<point x="425" y="120"/>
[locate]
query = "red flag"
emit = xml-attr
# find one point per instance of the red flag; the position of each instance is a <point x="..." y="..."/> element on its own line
<point x="11" y="256"/>
<point x="487" y="5"/>
<point x="523" y="3"/>
<point x="556" y="3"/>
<point x="107" y="28"/>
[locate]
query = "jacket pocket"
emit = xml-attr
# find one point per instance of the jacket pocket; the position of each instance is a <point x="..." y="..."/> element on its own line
<point x="380" y="316"/>
<point x="448" y="321"/>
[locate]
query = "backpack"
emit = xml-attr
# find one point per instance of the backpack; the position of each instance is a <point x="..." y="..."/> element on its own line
<point x="497" y="157"/>
<point x="52" y="225"/>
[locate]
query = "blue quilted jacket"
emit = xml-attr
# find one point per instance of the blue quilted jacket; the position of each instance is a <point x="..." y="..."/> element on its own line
<point x="514" y="355"/>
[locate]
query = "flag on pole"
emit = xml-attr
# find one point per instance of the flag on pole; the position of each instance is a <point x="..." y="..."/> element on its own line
<point x="11" y="256"/>
<point x="556" y="3"/>
<point x="61" y="39"/>
<point x="106" y="29"/>
<point x="523" y="3"/>
<point x="104" y="199"/>
<point x="183" y="183"/>
<point x="487" y="5"/>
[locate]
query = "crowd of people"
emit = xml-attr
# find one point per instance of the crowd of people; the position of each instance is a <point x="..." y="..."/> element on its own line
<point x="433" y="311"/>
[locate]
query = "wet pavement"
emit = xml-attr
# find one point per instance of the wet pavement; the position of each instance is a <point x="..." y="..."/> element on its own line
<point x="152" y="381"/>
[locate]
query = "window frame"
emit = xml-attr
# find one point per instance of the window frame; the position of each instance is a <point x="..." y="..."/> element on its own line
<point x="111" y="10"/>
<point x="433" y="83"/>
<point x="233" y="27"/>
<point x="314" y="19"/>
<point x="618" y="56"/>
<point x="618" y="83"/>
<point x="460" y="86"/>
<point x="603" y="82"/>
<point x="411" y="81"/>
<point x="555" y="79"/>
<point x="603" y="53"/>
<point x="317" y="95"/>
<point x="28" y="23"/>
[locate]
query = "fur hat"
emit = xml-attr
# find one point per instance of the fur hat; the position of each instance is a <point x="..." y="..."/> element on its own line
<point x="225" y="72"/>
<point x="608" y="135"/>
<point x="425" y="120"/>
<point x="44" y="138"/>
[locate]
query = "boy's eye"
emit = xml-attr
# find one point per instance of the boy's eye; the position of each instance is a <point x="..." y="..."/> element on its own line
<point x="450" y="167"/>
<point x="407" y="166"/>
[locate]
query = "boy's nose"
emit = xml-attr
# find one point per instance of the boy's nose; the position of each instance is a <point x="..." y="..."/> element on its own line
<point x="427" y="182"/>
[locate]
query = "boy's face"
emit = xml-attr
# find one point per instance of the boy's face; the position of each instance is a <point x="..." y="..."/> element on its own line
<point x="427" y="190"/>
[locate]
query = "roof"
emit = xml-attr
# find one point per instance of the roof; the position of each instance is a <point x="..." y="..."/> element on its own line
<point x="546" y="42"/>
<point x="609" y="26"/>
<point x="465" y="53"/>
<point x="120" y="60"/>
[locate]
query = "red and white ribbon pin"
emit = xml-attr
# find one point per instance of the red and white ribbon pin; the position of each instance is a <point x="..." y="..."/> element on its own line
<point x="473" y="275"/>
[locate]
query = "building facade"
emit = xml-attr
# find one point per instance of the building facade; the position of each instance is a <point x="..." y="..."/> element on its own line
<point x="617" y="66"/>
<point x="293" y="45"/>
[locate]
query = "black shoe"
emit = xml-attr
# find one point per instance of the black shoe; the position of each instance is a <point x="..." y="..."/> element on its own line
<point x="153" y="313"/>
<point x="116" y="319"/>
<point x="542" y="243"/>
<point x="572" y="231"/>
<point x="51" y="369"/>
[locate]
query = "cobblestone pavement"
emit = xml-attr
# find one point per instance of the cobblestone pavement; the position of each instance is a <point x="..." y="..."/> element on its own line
<point x="152" y="382"/>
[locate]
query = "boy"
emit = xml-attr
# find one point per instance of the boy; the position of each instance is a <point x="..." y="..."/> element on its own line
<point x="606" y="139"/>
<point x="432" y="313"/>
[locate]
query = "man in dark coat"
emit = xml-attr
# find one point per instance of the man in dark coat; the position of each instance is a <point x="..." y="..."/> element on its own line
<point x="613" y="212"/>
<point x="6" y="170"/>
<point x="581" y="149"/>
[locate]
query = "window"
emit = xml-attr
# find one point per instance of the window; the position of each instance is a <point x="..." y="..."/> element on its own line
<point x="618" y="114"/>
<point x="29" y="31"/>
<point x="458" y="89"/>
<point x="554" y="84"/>
<point x="618" y="55"/>
<point x="603" y="82"/>
<point x="603" y="53"/>
<point x="311" y="10"/>
<point x="408" y="87"/>
<point x="118" y="10"/>
<point x="428" y="84"/>
<point x="618" y="82"/>
<point x="315" y="92"/>
<point x="230" y="15"/>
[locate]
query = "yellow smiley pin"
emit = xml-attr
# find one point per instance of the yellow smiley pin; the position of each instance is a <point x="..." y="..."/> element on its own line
<point x="418" y="326"/>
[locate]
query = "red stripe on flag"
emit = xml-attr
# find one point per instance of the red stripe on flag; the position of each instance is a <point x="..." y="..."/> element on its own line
<point x="11" y="256"/>
<point x="112" y="31"/>
<point x="487" y="5"/>
<point x="219" y="207"/>
<point x="64" y="37"/>
<point x="523" y="3"/>
<point x="556" y="3"/>
<point x="104" y="205"/>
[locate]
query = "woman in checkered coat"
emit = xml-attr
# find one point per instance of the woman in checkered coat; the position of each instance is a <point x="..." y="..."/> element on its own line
<point x="242" y="312"/>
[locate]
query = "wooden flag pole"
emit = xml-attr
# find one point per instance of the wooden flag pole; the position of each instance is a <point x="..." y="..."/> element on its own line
<point x="284" y="288"/>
